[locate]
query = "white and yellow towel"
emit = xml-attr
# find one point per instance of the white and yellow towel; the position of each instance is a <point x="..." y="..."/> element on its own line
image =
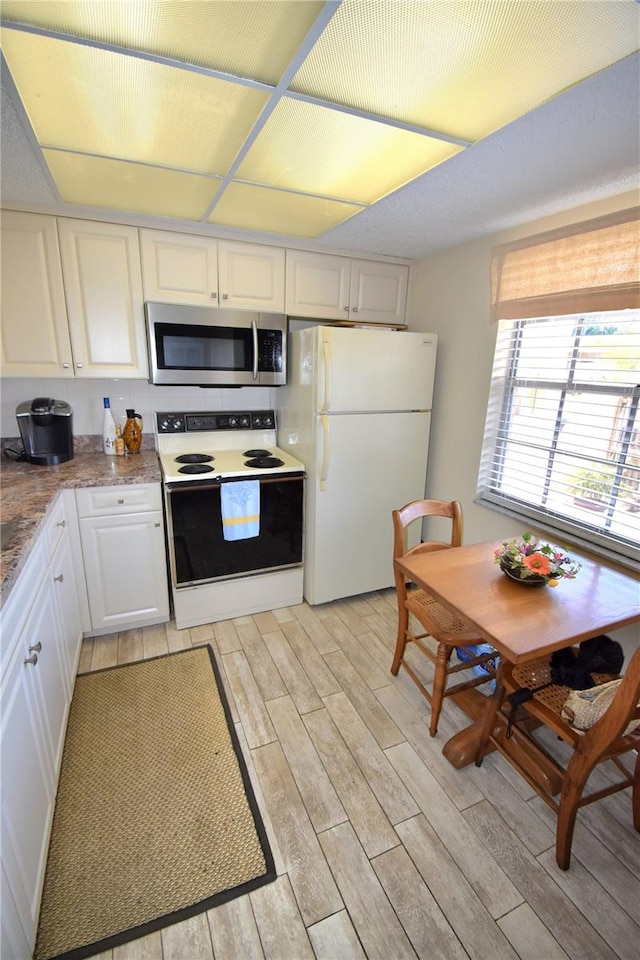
<point x="240" y="502"/>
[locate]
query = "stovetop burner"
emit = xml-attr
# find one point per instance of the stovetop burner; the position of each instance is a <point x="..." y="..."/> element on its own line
<point x="194" y="458"/>
<point x="264" y="463"/>
<point x="196" y="468"/>
<point x="257" y="453"/>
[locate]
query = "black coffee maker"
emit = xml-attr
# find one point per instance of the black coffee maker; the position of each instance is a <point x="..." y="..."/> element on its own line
<point x="46" y="429"/>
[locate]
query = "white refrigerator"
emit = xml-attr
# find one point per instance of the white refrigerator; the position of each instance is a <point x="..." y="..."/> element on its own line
<point x="356" y="411"/>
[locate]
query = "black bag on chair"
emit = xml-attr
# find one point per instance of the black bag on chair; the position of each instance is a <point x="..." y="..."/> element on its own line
<point x="598" y="655"/>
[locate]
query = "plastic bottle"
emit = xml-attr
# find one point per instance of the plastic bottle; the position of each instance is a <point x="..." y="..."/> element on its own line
<point x="120" y="451"/>
<point x="108" y="429"/>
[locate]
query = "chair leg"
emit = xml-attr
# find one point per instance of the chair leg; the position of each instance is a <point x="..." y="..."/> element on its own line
<point x="401" y="642"/>
<point x="635" y="796"/>
<point x="443" y="655"/>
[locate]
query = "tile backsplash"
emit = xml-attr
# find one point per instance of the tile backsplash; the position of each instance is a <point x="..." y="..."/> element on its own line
<point x="85" y="398"/>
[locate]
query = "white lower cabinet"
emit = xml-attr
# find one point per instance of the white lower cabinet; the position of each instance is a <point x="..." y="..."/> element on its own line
<point x="122" y="536"/>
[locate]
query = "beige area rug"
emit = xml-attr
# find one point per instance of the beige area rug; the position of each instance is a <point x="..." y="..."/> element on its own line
<point x="155" y="818"/>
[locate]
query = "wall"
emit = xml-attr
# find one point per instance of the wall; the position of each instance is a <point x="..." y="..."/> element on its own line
<point x="450" y="295"/>
<point x="85" y="397"/>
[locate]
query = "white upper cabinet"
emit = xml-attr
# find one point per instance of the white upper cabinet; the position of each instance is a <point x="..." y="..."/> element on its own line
<point x="105" y="307"/>
<point x="318" y="285"/>
<point x="35" y="334"/>
<point x="338" y="288"/>
<point x="180" y="268"/>
<point x="378" y="292"/>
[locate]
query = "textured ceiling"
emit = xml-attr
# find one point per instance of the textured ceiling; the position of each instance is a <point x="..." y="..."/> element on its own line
<point x="295" y="166"/>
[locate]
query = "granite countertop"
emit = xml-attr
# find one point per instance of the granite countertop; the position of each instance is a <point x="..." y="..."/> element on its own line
<point x="28" y="490"/>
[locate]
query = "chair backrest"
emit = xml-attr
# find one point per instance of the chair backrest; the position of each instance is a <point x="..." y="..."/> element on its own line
<point x="417" y="510"/>
<point x="608" y="734"/>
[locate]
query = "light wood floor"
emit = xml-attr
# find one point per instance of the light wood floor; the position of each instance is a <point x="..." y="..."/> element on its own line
<point x="384" y="850"/>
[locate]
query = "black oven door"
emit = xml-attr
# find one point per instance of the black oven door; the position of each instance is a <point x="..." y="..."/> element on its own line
<point x="199" y="552"/>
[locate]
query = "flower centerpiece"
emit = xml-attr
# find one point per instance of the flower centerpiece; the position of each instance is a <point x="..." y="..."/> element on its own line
<point x="531" y="562"/>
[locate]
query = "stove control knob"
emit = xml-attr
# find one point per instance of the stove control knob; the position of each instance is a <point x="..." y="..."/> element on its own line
<point x="245" y="422"/>
<point x="233" y="421"/>
<point x="267" y="420"/>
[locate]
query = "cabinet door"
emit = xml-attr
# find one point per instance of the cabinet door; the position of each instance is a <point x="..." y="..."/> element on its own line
<point x="179" y="268"/>
<point x="317" y="285"/>
<point x="378" y="292"/>
<point x="251" y="276"/>
<point x="14" y="944"/>
<point x="62" y="577"/>
<point x="103" y="285"/>
<point x="35" y="334"/>
<point x="28" y="793"/>
<point x="125" y="566"/>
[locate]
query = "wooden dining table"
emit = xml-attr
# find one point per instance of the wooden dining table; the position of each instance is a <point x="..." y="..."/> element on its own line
<point x="522" y="622"/>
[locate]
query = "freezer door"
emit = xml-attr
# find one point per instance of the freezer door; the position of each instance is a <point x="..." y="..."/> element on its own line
<point x="370" y="464"/>
<point x="370" y="370"/>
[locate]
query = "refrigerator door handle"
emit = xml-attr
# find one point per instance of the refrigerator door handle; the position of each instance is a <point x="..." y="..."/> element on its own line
<point x="326" y="350"/>
<point x="326" y="443"/>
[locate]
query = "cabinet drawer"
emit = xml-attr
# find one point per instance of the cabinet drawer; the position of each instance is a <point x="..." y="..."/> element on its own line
<point x="114" y="501"/>
<point x="55" y="525"/>
<point x="18" y="605"/>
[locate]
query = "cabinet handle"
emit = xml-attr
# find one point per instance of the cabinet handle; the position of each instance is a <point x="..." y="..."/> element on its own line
<point x="59" y="578"/>
<point x="62" y="523"/>
<point x="65" y="366"/>
<point x="355" y="309"/>
<point x="156" y="524"/>
<point x="225" y="296"/>
<point x="121" y="500"/>
<point x="214" y="296"/>
<point x="79" y="366"/>
<point x="33" y="659"/>
<point x="36" y="648"/>
<point x="347" y="309"/>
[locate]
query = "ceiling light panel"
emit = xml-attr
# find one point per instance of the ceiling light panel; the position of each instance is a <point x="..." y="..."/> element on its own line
<point x="249" y="39"/>
<point x="275" y="211"/>
<point x="463" y="67"/>
<point x="94" y="101"/>
<point x="116" y="185"/>
<point x="316" y="150"/>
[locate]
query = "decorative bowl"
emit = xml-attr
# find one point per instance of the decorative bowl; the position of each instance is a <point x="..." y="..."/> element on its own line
<point x="531" y="581"/>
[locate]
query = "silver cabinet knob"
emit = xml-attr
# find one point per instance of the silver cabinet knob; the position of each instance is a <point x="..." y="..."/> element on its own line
<point x="65" y="366"/>
<point x="225" y="296"/>
<point x="62" y="523"/>
<point x="120" y="499"/>
<point x="79" y="366"/>
<point x="355" y="309"/>
<point x="346" y="309"/>
<point x="156" y="524"/>
<point x="33" y="659"/>
<point x="36" y="648"/>
<point x="214" y="296"/>
<point x="59" y="578"/>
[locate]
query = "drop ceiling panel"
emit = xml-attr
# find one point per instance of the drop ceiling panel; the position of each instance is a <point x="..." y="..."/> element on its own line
<point x="275" y="211"/>
<point x="248" y="39"/>
<point x="313" y="149"/>
<point x="117" y="185"/>
<point x="467" y="67"/>
<point x="118" y="106"/>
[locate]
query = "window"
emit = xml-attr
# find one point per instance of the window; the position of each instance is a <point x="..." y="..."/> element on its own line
<point x="562" y="435"/>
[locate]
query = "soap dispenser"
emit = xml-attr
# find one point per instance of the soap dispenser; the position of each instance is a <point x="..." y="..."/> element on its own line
<point x="132" y="432"/>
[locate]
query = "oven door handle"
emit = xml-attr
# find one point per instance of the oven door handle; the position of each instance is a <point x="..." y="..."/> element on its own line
<point x="182" y="487"/>
<point x="254" y="331"/>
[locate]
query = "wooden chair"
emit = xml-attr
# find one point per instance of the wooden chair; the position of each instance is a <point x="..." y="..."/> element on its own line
<point x="605" y="740"/>
<point x="447" y="629"/>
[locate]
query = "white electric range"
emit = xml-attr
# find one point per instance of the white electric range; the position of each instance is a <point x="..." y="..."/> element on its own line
<point x="213" y="578"/>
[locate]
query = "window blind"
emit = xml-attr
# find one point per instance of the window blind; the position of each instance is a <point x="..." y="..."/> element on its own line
<point x="562" y="434"/>
<point x="587" y="267"/>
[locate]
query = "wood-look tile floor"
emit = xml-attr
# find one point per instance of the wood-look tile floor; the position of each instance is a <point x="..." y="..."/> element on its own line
<point x="383" y="850"/>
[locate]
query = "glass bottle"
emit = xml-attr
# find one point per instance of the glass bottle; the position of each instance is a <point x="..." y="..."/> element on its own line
<point x="132" y="432"/>
<point x="108" y="429"/>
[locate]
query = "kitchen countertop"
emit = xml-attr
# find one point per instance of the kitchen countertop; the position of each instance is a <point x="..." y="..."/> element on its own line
<point x="28" y="490"/>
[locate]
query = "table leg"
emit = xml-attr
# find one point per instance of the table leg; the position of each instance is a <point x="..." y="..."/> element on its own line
<point x="462" y="749"/>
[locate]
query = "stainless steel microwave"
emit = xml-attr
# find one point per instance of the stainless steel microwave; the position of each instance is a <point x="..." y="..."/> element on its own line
<point x="205" y="346"/>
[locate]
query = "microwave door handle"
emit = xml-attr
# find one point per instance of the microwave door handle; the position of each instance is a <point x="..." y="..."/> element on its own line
<point x="254" y="331"/>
